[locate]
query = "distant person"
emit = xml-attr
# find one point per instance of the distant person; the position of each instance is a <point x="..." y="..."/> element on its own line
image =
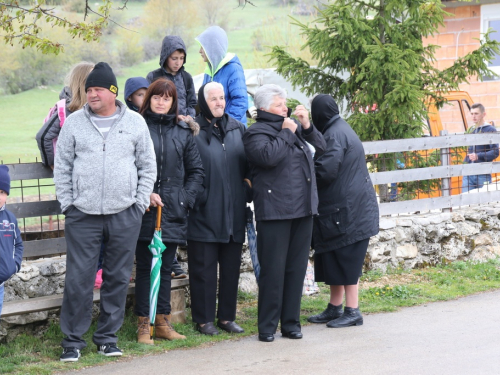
<point x="11" y="244"/>
<point x="348" y="215"/>
<point x="479" y="153"/>
<point x="72" y="98"/>
<point x="172" y="60"/>
<point x="179" y="179"/>
<point x="225" y="68"/>
<point x="135" y="89"/>
<point x="104" y="173"/>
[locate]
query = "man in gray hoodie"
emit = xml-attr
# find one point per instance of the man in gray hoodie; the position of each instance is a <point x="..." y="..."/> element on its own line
<point x="104" y="173"/>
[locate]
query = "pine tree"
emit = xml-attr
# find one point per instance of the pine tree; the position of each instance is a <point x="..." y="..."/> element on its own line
<point x="378" y="45"/>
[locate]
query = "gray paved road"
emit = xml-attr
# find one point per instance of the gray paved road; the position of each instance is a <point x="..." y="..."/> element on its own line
<point x="455" y="337"/>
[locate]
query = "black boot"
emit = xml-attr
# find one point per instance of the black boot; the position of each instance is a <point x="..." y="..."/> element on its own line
<point x="350" y="317"/>
<point x="332" y="312"/>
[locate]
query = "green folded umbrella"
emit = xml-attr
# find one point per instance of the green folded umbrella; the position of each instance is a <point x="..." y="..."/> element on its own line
<point x="157" y="248"/>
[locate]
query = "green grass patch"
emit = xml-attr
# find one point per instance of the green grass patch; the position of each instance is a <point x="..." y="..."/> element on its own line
<point x="26" y="355"/>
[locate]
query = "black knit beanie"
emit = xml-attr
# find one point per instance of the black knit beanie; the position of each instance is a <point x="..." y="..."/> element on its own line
<point x="4" y="179"/>
<point x="102" y="76"/>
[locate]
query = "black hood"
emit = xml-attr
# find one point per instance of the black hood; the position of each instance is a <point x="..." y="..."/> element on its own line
<point x="170" y="44"/>
<point x="323" y="109"/>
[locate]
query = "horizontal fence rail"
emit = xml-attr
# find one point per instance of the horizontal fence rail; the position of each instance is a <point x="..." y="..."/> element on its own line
<point x="430" y="143"/>
<point x="444" y="172"/>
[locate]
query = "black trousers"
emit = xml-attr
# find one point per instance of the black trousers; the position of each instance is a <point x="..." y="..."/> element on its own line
<point x="143" y="259"/>
<point x="203" y="258"/>
<point x="283" y="249"/>
<point x="84" y="235"/>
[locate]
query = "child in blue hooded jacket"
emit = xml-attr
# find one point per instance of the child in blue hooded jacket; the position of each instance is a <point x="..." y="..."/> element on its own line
<point x="225" y="68"/>
<point x="11" y="244"/>
<point x="135" y="89"/>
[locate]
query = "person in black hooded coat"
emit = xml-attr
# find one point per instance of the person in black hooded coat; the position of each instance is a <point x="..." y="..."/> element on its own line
<point x="216" y="229"/>
<point x="348" y="214"/>
<point x="179" y="179"/>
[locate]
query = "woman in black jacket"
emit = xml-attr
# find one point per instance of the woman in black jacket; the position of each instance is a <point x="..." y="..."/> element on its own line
<point x="216" y="229"/>
<point x="348" y="214"/>
<point x="285" y="197"/>
<point x="179" y="179"/>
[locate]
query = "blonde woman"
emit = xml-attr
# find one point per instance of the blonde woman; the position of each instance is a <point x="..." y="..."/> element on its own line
<point x="72" y="98"/>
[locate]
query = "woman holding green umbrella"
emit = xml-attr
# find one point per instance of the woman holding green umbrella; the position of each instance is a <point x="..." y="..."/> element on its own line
<point x="179" y="179"/>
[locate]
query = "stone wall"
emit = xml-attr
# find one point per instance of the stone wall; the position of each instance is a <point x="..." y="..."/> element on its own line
<point x="414" y="241"/>
<point x="410" y="241"/>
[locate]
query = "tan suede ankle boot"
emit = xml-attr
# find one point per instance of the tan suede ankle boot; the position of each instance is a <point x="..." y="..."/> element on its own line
<point x="143" y="331"/>
<point x="164" y="329"/>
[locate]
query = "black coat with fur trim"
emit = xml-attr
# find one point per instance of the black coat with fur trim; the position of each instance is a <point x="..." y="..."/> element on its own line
<point x="179" y="176"/>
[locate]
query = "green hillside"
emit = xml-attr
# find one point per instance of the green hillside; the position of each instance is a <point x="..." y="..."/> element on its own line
<point x="264" y="24"/>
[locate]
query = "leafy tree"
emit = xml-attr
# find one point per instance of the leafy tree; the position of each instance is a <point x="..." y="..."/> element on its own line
<point x="26" y="23"/>
<point x="377" y="45"/>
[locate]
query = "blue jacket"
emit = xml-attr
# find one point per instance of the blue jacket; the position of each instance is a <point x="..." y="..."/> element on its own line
<point x="231" y="76"/>
<point x="485" y="153"/>
<point x="11" y="245"/>
<point x="225" y="68"/>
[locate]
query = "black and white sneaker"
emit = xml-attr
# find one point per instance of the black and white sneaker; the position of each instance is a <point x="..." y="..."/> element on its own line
<point x="109" y="350"/>
<point x="70" y="355"/>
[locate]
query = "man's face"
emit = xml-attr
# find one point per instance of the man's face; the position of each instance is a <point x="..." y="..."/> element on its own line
<point x="137" y="98"/>
<point x="101" y="101"/>
<point x="175" y="61"/>
<point x="477" y="116"/>
<point x="3" y="198"/>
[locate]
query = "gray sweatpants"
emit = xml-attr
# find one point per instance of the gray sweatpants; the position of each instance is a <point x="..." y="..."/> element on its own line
<point x="84" y="235"/>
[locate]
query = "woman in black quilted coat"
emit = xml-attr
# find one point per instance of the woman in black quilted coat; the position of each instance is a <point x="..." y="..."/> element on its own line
<point x="179" y="179"/>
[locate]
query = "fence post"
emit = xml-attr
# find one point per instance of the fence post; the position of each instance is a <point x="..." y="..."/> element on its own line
<point x="445" y="182"/>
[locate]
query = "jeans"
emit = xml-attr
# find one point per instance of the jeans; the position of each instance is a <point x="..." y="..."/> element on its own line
<point x="474" y="182"/>
<point x="2" y="288"/>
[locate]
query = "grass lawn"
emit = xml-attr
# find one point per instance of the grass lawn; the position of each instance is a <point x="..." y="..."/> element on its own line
<point x="378" y="293"/>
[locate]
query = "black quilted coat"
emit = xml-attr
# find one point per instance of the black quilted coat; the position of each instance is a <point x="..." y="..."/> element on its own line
<point x="179" y="176"/>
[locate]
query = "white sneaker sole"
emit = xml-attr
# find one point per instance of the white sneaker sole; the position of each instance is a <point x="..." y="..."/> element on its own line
<point x="110" y="354"/>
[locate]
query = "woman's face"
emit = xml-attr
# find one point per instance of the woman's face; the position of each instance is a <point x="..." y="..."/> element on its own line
<point x="278" y="107"/>
<point x="216" y="102"/>
<point x="160" y="104"/>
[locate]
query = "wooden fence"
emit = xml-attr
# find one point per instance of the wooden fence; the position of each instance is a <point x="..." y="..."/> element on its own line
<point x="444" y="172"/>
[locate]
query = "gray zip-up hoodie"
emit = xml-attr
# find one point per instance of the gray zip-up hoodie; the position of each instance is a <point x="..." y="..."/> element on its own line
<point x="102" y="177"/>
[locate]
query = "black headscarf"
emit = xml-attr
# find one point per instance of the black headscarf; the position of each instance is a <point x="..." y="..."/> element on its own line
<point x="324" y="109"/>
<point x="207" y="113"/>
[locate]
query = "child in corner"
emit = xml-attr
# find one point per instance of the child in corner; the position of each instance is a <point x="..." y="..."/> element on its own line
<point x="11" y="244"/>
<point x="135" y="88"/>
<point x="172" y="59"/>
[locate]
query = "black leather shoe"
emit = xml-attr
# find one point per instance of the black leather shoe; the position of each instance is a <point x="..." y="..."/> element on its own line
<point x="230" y="327"/>
<point x="350" y="317"/>
<point x="207" y="329"/>
<point x="331" y="312"/>
<point x="295" y="335"/>
<point x="266" y="337"/>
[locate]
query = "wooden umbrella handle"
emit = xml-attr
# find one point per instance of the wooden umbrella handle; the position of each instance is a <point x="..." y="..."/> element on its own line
<point x="158" y="218"/>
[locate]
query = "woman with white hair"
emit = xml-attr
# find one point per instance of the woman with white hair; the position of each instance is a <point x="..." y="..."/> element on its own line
<point x="216" y="224"/>
<point x="285" y="198"/>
